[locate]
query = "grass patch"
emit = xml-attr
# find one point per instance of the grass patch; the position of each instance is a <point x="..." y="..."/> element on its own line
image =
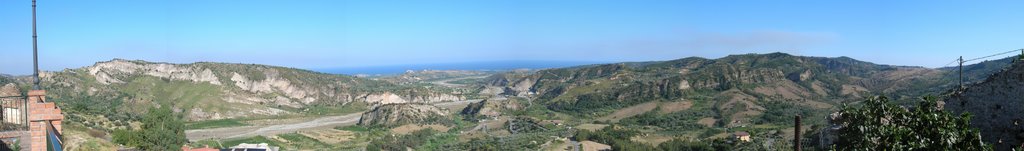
<point x="215" y="124"/>
<point x="298" y="141"/>
<point x="354" y="128"/>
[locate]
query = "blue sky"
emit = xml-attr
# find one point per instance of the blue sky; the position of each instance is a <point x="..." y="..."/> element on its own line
<point x="326" y="34"/>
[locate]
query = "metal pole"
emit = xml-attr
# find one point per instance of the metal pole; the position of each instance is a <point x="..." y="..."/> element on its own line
<point x="35" y="50"/>
<point x="796" y="135"/>
<point x="961" y="73"/>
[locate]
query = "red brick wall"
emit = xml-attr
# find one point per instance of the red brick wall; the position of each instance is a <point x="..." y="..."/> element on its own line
<point x="41" y="112"/>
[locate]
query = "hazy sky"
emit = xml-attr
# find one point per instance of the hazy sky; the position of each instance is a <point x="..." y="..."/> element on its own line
<point x="335" y="33"/>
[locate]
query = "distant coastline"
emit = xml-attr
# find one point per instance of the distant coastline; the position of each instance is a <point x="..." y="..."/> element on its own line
<point x="487" y="65"/>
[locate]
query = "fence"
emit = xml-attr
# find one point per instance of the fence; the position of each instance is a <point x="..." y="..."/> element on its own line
<point x="13" y="113"/>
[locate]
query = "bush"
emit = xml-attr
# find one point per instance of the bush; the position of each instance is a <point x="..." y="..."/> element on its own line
<point x="161" y="130"/>
<point x="878" y="125"/>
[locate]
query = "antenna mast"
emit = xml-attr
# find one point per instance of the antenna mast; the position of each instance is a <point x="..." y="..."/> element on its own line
<point x="35" y="50"/>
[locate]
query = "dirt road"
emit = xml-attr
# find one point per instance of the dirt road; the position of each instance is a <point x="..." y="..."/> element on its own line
<point x="270" y="130"/>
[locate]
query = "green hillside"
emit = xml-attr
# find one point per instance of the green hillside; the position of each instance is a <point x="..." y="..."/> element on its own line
<point x="112" y="94"/>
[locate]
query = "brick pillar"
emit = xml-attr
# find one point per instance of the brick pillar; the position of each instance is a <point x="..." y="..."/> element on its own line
<point x="41" y="112"/>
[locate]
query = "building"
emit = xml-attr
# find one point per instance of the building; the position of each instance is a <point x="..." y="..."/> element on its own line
<point x="253" y="147"/>
<point x="206" y="148"/>
<point x="742" y="136"/>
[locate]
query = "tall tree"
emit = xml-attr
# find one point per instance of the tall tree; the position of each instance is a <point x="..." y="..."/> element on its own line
<point x="162" y="130"/>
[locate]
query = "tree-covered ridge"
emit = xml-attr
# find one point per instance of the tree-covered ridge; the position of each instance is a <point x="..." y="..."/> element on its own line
<point x="775" y="76"/>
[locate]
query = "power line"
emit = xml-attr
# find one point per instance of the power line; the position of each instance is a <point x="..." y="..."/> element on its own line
<point x="951" y="62"/>
<point x="1002" y="53"/>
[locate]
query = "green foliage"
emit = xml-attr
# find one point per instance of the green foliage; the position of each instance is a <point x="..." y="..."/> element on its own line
<point x="683" y="145"/>
<point x="630" y="94"/>
<point x="878" y="125"/>
<point x="782" y="113"/>
<point x="526" y="141"/>
<point x="354" y="128"/>
<point x="523" y="124"/>
<point x="618" y="138"/>
<point x="162" y="130"/>
<point x="393" y="143"/>
<point x="127" y="137"/>
<point x="301" y="141"/>
<point x="678" y="121"/>
<point x="215" y="124"/>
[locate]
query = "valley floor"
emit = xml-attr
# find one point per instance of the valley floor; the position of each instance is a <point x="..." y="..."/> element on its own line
<point x="289" y="126"/>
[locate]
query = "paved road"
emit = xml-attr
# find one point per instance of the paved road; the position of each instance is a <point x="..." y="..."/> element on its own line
<point x="269" y="130"/>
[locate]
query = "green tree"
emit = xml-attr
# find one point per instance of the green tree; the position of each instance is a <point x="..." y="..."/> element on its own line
<point x="127" y="137"/>
<point x="684" y="145"/>
<point x="162" y="130"/>
<point x="879" y="125"/>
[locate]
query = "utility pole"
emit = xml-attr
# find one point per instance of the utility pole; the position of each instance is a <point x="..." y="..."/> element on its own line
<point x="35" y="50"/>
<point x="796" y="135"/>
<point x="961" y="61"/>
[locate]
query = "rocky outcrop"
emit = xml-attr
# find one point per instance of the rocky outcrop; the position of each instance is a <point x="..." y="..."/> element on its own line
<point x="391" y="98"/>
<point x="9" y="89"/>
<point x="491" y="107"/>
<point x="107" y="72"/>
<point x="206" y="90"/>
<point x="996" y="107"/>
<point x="391" y="115"/>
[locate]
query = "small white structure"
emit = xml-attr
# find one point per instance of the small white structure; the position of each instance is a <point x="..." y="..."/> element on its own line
<point x="254" y="147"/>
<point x="13" y="116"/>
<point x="742" y="136"/>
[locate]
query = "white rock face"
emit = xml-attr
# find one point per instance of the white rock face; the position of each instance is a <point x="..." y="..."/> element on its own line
<point x="522" y="88"/>
<point x="399" y="114"/>
<point x="103" y="72"/>
<point x="271" y="84"/>
<point x="250" y="90"/>
<point x="385" y="98"/>
<point x="391" y="98"/>
<point x="684" y="85"/>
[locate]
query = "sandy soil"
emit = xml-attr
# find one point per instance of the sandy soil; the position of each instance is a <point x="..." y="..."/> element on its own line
<point x="593" y="146"/>
<point x="329" y="136"/>
<point x="707" y="121"/>
<point x="591" y="127"/>
<point x="670" y="107"/>
<point x="409" y="128"/>
<point x="629" y="112"/>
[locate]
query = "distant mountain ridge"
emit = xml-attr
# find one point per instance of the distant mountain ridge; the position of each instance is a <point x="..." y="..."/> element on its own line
<point x="738" y="87"/>
<point x="483" y="65"/>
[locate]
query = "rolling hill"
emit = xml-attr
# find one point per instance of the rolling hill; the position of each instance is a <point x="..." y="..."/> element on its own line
<point x="736" y="90"/>
<point x="112" y="93"/>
